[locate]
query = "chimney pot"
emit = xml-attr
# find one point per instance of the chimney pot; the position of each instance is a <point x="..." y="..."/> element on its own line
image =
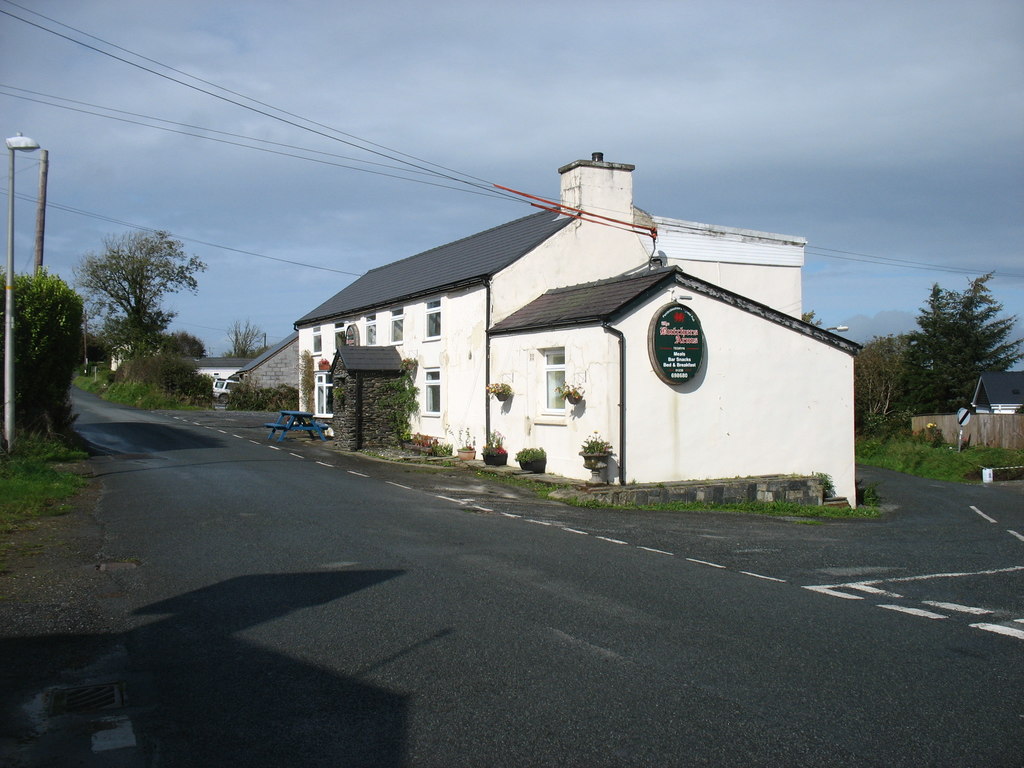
<point x="597" y="157"/>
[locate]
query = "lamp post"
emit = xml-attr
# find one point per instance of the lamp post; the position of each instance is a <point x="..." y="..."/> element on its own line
<point x="24" y="144"/>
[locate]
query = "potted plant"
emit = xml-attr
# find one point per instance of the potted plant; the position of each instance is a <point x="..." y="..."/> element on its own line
<point x="494" y="451"/>
<point x="571" y="392"/>
<point x="595" y="452"/>
<point x="467" y="448"/>
<point x="532" y="459"/>
<point x="500" y="390"/>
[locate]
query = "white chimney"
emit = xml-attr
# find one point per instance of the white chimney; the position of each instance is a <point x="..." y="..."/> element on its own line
<point x="599" y="187"/>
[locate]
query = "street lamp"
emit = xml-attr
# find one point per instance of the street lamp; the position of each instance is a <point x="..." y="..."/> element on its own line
<point x="23" y="144"/>
<point x="839" y="328"/>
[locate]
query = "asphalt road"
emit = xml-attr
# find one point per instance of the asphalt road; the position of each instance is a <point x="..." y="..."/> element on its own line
<point x="285" y="605"/>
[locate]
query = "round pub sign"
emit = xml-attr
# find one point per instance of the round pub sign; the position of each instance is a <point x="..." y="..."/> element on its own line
<point x="677" y="344"/>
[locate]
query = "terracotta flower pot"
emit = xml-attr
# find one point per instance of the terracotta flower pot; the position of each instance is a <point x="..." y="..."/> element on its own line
<point x="467" y="455"/>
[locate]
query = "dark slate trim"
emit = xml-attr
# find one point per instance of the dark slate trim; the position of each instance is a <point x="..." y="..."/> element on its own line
<point x="675" y="276"/>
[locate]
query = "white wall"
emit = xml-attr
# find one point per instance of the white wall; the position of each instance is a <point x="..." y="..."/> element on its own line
<point x="769" y="400"/>
<point x="591" y="361"/>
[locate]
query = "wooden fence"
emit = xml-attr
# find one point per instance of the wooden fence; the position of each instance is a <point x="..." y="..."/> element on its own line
<point x="998" y="430"/>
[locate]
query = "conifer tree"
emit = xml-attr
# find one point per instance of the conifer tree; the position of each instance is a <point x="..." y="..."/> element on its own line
<point x="959" y="337"/>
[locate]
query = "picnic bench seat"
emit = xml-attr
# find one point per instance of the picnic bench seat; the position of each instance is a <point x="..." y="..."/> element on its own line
<point x="295" y="421"/>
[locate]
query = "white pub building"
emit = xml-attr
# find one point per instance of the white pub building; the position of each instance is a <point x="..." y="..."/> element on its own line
<point x="684" y="341"/>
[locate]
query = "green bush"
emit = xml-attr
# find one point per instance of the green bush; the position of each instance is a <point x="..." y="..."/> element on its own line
<point x="248" y="397"/>
<point x="175" y="376"/>
<point x="47" y="347"/>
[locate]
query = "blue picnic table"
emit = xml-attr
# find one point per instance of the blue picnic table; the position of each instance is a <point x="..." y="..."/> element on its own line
<point x="295" y="421"/>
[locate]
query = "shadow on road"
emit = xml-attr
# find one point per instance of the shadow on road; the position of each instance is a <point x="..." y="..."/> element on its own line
<point x="200" y="694"/>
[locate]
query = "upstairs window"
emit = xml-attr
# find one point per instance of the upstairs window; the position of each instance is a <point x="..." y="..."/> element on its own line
<point x="339" y="336"/>
<point x="554" y="377"/>
<point x="371" y="330"/>
<point x="397" y="326"/>
<point x="317" y="341"/>
<point x="434" y="319"/>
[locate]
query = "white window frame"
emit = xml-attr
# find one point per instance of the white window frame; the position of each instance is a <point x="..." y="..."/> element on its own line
<point x="371" y="330"/>
<point x="322" y="393"/>
<point x="554" y="375"/>
<point x="433" y="310"/>
<point x="397" y="326"/>
<point x="318" y="345"/>
<point x="339" y="336"/>
<point x="431" y="390"/>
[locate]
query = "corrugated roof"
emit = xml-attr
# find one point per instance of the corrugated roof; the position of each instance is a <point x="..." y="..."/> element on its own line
<point x="463" y="261"/>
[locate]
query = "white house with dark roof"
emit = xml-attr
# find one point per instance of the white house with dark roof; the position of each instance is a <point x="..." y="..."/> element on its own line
<point x="685" y="339"/>
<point x="999" y="392"/>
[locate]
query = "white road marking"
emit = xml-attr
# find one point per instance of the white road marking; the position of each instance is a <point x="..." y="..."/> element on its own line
<point x="827" y="590"/>
<point x="296" y="455"/>
<point x="1014" y="533"/>
<point x="398" y="485"/>
<point x="447" y="498"/>
<point x="957" y="607"/>
<point x="537" y="522"/>
<point x="986" y="517"/>
<point x="573" y="530"/>
<point x="657" y="551"/>
<point x="999" y="629"/>
<point x="760" y="576"/>
<point x="482" y="509"/>
<point x="509" y="514"/>
<point x="705" y="562"/>
<point x="359" y="474"/>
<point x="928" y="576"/>
<point x="256" y="442"/>
<point x="116" y="733"/>
<point x="222" y="431"/>
<point x="863" y="587"/>
<point x="273" y="448"/>
<point x="325" y="464"/>
<point x="914" y="611"/>
<point x="239" y="437"/>
<point x="613" y="541"/>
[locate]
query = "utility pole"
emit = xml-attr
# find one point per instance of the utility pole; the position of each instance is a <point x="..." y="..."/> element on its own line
<point x="44" y="168"/>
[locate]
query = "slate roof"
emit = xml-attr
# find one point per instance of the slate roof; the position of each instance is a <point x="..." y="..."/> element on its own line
<point x="581" y="304"/>
<point x="1004" y="388"/>
<point x="604" y="300"/>
<point x="462" y="262"/>
<point x="368" y="359"/>
<point x="270" y="352"/>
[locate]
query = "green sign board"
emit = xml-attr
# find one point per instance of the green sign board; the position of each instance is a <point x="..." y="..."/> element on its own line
<point x="677" y="344"/>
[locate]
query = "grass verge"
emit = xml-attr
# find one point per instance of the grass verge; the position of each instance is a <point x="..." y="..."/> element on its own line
<point x="31" y="486"/>
<point x="940" y="462"/>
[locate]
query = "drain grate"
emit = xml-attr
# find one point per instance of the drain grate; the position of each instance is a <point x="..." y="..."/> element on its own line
<point x="87" y="698"/>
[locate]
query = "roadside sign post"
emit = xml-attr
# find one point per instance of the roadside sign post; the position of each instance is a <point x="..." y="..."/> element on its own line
<point x="962" y="417"/>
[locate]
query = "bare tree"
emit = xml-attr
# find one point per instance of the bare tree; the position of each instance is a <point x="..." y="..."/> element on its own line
<point x="246" y="339"/>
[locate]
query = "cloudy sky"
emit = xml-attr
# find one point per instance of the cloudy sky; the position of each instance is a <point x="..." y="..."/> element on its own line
<point x="293" y="146"/>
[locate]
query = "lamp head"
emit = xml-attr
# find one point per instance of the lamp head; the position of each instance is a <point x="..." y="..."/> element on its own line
<point x="23" y="143"/>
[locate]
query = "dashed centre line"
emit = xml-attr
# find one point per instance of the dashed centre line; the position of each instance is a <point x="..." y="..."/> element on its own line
<point x="704" y="562"/>
<point x="914" y="611"/>
<point x="956" y="607"/>
<point x="613" y="541"/>
<point x="983" y="515"/>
